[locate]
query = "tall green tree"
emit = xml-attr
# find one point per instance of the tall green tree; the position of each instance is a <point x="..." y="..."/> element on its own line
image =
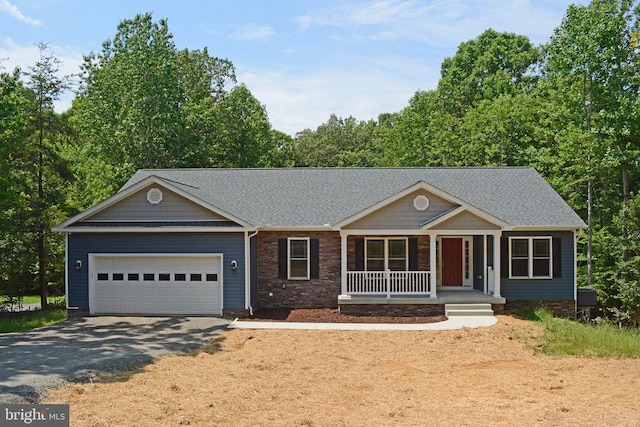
<point x="592" y="60"/>
<point x="338" y="142"/>
<point x="486" y="67"/>
<point x="15" y="263"/>
<point x="244" y="137"/>
<point x="44" y="169"/>
<point x="144" y="104"/>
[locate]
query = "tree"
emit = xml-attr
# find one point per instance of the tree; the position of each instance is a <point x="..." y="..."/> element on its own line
<point x="491" y="65"/>
<point x="245" y="133"/>
<point x="128" y="106"/>
<point x="593" y="59"/>
<point x="44" y="168"/>
<point x="15" y="268"/>
<point x="338" y="142"/>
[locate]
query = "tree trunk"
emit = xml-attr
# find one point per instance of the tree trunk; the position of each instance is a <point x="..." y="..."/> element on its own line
<point x="42" y="250"/>
<point x="589" y="232"/>
<point x="626" y="196"/>
<point x="42" y="267"/>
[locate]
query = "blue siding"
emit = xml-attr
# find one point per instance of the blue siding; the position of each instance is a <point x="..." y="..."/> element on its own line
<point x="231" y="245"/>
<point x="561" y="288"/>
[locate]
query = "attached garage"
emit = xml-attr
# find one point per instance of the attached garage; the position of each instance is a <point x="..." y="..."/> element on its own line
<point x="155" y="284"/>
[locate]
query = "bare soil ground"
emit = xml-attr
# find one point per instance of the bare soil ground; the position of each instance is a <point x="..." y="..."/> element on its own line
<point x="487" y="376"/>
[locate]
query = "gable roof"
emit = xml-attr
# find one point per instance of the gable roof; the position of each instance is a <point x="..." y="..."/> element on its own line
<point x="127" y="191"/>
<point x="325" y="197"/>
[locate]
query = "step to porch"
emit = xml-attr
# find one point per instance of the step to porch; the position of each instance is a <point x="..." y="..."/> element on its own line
<point x="468" y="310"/>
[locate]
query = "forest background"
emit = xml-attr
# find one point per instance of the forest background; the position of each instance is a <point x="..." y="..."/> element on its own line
<point x="569" y="108"/>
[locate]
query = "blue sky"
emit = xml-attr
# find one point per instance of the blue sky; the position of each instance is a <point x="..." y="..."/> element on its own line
<point x="304" y="60"/>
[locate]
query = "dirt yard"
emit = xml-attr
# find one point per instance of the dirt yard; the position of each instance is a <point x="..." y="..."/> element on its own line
<point x="488" y="376"/>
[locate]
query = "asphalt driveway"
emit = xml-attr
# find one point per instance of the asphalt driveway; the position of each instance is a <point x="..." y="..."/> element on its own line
<point x="79" y="349"/>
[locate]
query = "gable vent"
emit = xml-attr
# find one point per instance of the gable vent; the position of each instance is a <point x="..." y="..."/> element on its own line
<point x="421" y="202"/>
<point x="154" y="196"/>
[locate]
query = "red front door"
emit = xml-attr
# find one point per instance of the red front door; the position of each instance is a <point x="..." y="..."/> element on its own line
<point x="451" y="262"/>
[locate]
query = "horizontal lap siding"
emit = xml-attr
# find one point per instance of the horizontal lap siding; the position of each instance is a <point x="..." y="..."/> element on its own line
<point x="544" y="289"/>
<point x="231" y="245"/>
<point x="401" y="214"/>
<point x="172" y="208"/>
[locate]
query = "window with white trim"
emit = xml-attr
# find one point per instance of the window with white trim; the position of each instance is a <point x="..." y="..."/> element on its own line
<point x="298" y="258"/>
<point x="383" y="254"/>
<point x="530" y="258"/>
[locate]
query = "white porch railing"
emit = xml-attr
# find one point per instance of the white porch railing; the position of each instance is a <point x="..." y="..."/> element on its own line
<point x="388" y="282"/>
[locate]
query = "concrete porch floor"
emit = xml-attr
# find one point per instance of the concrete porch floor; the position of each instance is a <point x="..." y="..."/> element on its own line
<point x="469" y="296"/>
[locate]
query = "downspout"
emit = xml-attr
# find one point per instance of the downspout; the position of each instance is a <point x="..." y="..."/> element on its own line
<point x="248" y="269"/>
<point x="66" y="270"/>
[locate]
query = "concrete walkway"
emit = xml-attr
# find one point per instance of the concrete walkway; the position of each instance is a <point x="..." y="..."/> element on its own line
<point x="454" y="322"/>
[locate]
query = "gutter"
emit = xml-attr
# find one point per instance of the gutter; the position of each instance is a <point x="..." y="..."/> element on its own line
<point x="247" y="257"/>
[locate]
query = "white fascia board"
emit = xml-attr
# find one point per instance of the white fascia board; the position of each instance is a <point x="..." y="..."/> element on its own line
<point x="547" y="228"/>
<point x="124" y="193"/>
<point x="385" y="232"/>
<point x="417" y="186"/>
<point x="467" y="208"/>
<point x="299" y="228"/>
<point x="428" y="188"/>
<point x="172" y="229"/>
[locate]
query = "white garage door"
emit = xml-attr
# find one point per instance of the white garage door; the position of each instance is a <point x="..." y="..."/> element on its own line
<point x="155" y="284"/>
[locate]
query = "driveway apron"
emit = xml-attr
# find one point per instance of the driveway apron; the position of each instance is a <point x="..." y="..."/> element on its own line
<point x="79" y="349"/>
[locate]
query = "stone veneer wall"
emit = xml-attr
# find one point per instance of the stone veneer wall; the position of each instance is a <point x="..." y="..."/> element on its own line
<point x="315" y="293"/>
<point x="562" y="308"/>
<point x="395" y="310"/>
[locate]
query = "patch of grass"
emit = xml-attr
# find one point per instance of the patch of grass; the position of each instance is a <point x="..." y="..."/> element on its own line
<point x="16" y="322"/>
<point x="35" y="299"/>
<point x="569" y="338"/>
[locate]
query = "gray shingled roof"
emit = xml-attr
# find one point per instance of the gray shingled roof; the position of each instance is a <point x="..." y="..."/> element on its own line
<point x="301" y="197"/>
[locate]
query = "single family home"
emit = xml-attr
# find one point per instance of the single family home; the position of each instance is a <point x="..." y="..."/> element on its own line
<point x="383" y="241"/>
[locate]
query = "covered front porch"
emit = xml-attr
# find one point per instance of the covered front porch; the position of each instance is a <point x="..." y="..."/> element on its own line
<point x="431" y="268"/>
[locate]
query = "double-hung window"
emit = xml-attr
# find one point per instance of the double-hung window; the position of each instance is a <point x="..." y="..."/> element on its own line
<point x="530" y="257"/>
<point x="384" y="254"/>
<point x="298" y="258"/>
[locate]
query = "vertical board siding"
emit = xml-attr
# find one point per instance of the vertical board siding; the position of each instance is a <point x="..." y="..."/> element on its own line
<point x="230" y="245"/>
<point x="558" y="288"/>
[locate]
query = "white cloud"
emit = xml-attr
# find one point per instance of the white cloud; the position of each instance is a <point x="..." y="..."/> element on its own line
<point x="299" y="101"/>
<point x="437" y="22"/>
<point x="253" y="32"/>
<point x="13" y="55"/>
<point x="11" y="9"/>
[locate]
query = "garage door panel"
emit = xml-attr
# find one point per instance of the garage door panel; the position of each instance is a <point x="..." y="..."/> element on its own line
<point x="156" y="284"/>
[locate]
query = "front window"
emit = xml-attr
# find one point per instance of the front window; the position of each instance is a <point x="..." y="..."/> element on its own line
<point x="375" y="255"/>
<point x="298" y="258"/>
<point x="385" y="254"/>
<point x="530" y="257"/>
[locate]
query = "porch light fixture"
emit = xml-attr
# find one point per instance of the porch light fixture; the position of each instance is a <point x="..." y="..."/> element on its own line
<point x="421" y="202"/>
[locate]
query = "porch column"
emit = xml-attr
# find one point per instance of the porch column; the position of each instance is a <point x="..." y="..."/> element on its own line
<point x="432" y="266"/>
<point x="497" y="242"/>
<point x="485" y="268"/>
<point x="343" y="263"/>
